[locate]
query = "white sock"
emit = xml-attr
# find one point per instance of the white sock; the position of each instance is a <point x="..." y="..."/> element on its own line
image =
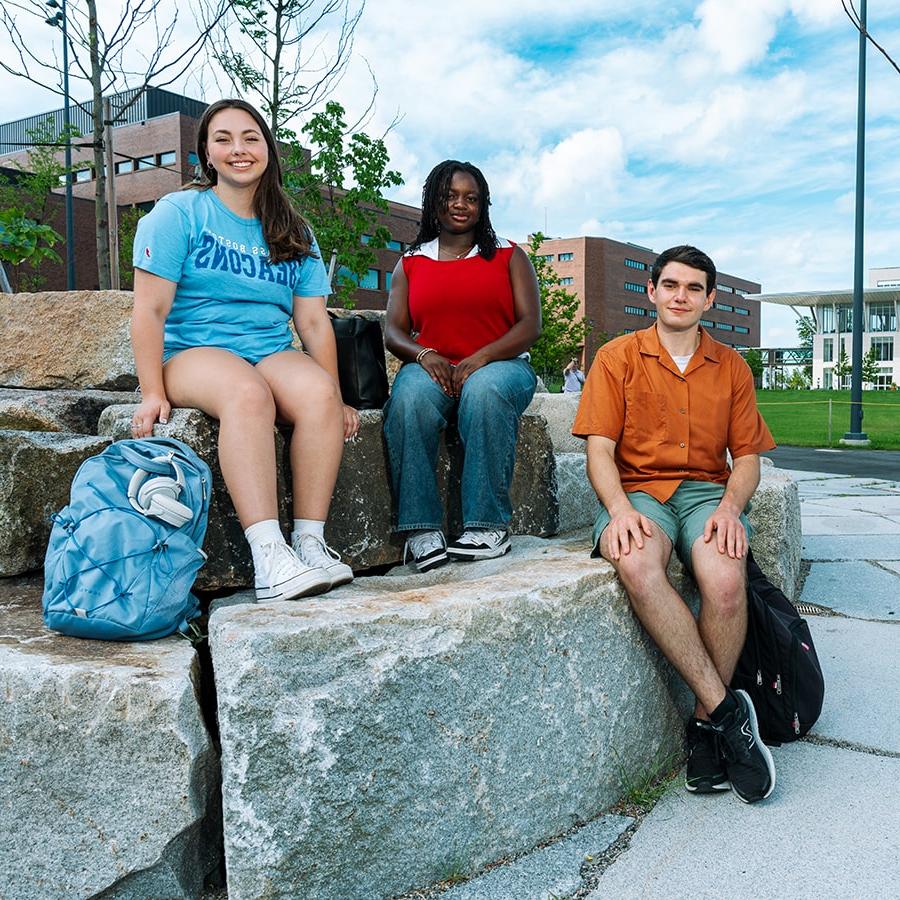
<point x="266" y="532"/>
<point x="308" y="526"/>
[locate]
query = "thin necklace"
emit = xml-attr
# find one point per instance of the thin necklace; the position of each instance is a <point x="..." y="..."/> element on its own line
<point x="451" y="255"/>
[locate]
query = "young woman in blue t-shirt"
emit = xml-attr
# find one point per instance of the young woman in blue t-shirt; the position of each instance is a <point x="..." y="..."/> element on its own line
<point x="219" y="270"/>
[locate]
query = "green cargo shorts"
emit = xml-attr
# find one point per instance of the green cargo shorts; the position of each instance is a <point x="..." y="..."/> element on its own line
<point x="682" y="517"/>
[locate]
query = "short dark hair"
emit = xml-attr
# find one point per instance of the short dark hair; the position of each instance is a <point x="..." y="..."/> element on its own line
<point x="434" y="201"/>
<point x="688" y="256"/>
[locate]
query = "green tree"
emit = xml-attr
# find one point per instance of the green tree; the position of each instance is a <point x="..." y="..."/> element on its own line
<point x="806" y="329"/>
<point x="842" y="367"/>
<point x="342" y="210"/>
<point x="870" y="368"/>
<point x="798" y="380"/>
<point x="753" y="358"/>
<point x="563" y="332"/>
<point x="128" y="220"/>
<point x="22" y="240"/>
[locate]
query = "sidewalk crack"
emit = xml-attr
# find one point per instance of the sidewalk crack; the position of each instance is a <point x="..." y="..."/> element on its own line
<point x="839" y="744"/>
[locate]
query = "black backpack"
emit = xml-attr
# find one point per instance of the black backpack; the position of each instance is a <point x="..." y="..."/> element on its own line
<point x="778" y="666"/>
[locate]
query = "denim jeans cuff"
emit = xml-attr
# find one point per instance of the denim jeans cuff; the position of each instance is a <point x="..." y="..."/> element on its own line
<point x="424" y="526"/>
<point x="468" y="525"/>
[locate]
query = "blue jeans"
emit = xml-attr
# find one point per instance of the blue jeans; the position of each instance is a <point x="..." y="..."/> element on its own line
<point x="487" y="415"/>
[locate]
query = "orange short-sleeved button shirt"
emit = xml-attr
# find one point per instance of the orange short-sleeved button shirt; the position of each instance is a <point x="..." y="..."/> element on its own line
<point x="670" y="427"/>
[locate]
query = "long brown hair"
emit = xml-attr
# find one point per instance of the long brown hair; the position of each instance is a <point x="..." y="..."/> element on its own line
<point x="287" y="233"/>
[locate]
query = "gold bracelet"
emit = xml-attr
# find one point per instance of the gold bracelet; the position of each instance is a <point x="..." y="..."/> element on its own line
<point x="423" y="352"/>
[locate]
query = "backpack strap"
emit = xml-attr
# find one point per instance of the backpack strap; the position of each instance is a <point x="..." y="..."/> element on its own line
<point x="143" y="462"/>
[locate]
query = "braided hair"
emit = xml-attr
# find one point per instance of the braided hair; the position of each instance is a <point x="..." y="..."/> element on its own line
<point x="434" y="201"/>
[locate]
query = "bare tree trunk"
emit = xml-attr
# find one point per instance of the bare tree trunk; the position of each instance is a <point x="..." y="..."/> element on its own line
<point x="276" y="70"/>
<point x="102" y="223"/>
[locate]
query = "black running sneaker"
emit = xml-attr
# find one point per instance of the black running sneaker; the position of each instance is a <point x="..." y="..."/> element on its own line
<point x="480" y="543"/>
<point x="705" y="767"/>
<point x="748" y="762"/>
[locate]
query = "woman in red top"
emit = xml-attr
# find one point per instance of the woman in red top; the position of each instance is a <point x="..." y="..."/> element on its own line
<point x="463" y="311"/>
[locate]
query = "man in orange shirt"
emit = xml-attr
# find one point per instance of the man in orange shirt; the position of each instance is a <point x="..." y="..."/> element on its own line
<point x="659" y="410"/>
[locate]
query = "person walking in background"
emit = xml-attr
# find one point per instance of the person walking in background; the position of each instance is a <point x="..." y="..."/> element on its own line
<point x="659" y="410"/>
<point x="464" y="309"/>
<point x="219" y="269"/>
<point x="573" y="378"/>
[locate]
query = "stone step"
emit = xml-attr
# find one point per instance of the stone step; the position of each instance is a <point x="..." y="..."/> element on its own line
<point x="109" y="783"/>
<point x="359" y="526"/>
<point x="410" y="726"/>
<point x="36" y="471"/>
<point x="77" y="411"/>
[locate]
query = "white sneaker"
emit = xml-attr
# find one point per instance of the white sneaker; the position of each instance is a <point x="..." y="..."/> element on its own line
<point x="480" y="543"/>
<point x="282" y="576"/>
<point x="313" y="551"/>
<point x="428" y="549"/>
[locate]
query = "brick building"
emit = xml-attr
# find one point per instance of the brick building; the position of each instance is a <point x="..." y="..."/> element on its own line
<point x="155" y="154"/>
<point x="610" y="279"/>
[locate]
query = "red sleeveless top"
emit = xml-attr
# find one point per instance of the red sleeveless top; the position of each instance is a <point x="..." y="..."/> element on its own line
<point x="460" y="305"/>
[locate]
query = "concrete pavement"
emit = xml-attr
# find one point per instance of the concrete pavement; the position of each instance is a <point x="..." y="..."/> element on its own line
<point x="832" y="826"/>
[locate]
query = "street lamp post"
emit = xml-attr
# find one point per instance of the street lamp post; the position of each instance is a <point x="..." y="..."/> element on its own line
<point x="856" y="436"/>
<point x="56" y="21"/>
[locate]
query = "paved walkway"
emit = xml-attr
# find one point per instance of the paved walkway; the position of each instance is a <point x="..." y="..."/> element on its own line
<point x="832" y="826"/>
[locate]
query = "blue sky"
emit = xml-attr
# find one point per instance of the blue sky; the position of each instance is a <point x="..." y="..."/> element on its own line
<point x="730" y="124"/>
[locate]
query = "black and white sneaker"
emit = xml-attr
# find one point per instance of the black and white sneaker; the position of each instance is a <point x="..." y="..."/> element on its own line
<point x="748" y="761"/>
<point x="480" y="543"/>
<point x="705" y="766"/>
<point x="428" y="550"/>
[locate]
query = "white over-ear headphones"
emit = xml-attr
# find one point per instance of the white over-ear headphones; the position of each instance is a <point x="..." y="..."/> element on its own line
<point x="158" y="496"/>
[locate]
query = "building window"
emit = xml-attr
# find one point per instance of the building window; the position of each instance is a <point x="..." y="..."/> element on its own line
<point x="635" y="311"/>
<point x="395" y="245"/>
<point x="146" y="162"/>
<point x="566" y="257"/>
<point x="845" y="317"/>
<point x="125" y="166"/>
<point x="741" y="311"/>
<point x="651" y="313"/>
<point x="84" y="174"/>
<point x="726" y="288"/>
<point x="884" y="349"/>
<point x="387" y="281"/>
<point x="193" y="159"/>
<point x="740" y="291"/>
<point x="547" y="257"/>
<point x="882" y="317"/>
<point x="724" y="326"/>
<point x="827" y="320"/>
<point x="167" y="158"/>
<point x="635" y="288"/>
<point x="707" y="323"/>
<point x="368" y="282"/>
<point x="723" y="306"/>
<point x="627" y="331"/>
<point x="567" y="280"/>
<point x="634" y="264"/>
<point x="827" y="379"/>
<point x="828" y="350"/>
<point x="365" y="238"/>
<point x="742" y="329"/>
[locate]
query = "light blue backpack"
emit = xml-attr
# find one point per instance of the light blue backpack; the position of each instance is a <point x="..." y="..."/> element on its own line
<point x="124" y="553"/>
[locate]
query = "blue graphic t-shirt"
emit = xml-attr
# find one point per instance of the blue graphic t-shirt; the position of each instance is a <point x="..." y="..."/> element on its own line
<point x="228" y="294"/>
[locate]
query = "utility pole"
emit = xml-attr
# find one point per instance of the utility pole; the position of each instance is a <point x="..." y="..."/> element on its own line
<point x="111" y="214"/>
<point x="856" y="436"/>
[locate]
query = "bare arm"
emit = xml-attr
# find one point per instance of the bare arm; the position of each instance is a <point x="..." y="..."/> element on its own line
<point x="314" y="327"/>
<point x="731" y="537"/>
<point x="153" y="298"/>
<point x="626" y="524"/>
<point x="527" y="327"/>
<point x="397" y="328"/>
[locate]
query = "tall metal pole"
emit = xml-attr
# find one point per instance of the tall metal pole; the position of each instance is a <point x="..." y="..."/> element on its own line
<point x="112" y="214"/>
<point x="856" y="435"/>
<point x="70" y="227"/>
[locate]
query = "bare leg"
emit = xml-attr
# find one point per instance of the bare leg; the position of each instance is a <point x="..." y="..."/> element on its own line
<point x="309" y="398"/>
<point x="665" y="615"/>
<point x="723" y="611"/>
<point x="231" y="390"/>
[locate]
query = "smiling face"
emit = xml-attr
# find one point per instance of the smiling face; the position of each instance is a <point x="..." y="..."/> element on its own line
<point x="680" y="297"/>
<point x="461" y="209"/>
<point x="236" y="148"/>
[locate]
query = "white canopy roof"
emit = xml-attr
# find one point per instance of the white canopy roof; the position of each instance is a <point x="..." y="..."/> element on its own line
<point x="827" y="298"/>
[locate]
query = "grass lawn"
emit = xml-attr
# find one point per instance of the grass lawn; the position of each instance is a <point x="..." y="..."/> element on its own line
<point x="801" y="417"/>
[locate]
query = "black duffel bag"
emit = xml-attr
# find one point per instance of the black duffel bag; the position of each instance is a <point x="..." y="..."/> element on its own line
<point x="778" y="666"/>
<point x="360" y="356"/>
